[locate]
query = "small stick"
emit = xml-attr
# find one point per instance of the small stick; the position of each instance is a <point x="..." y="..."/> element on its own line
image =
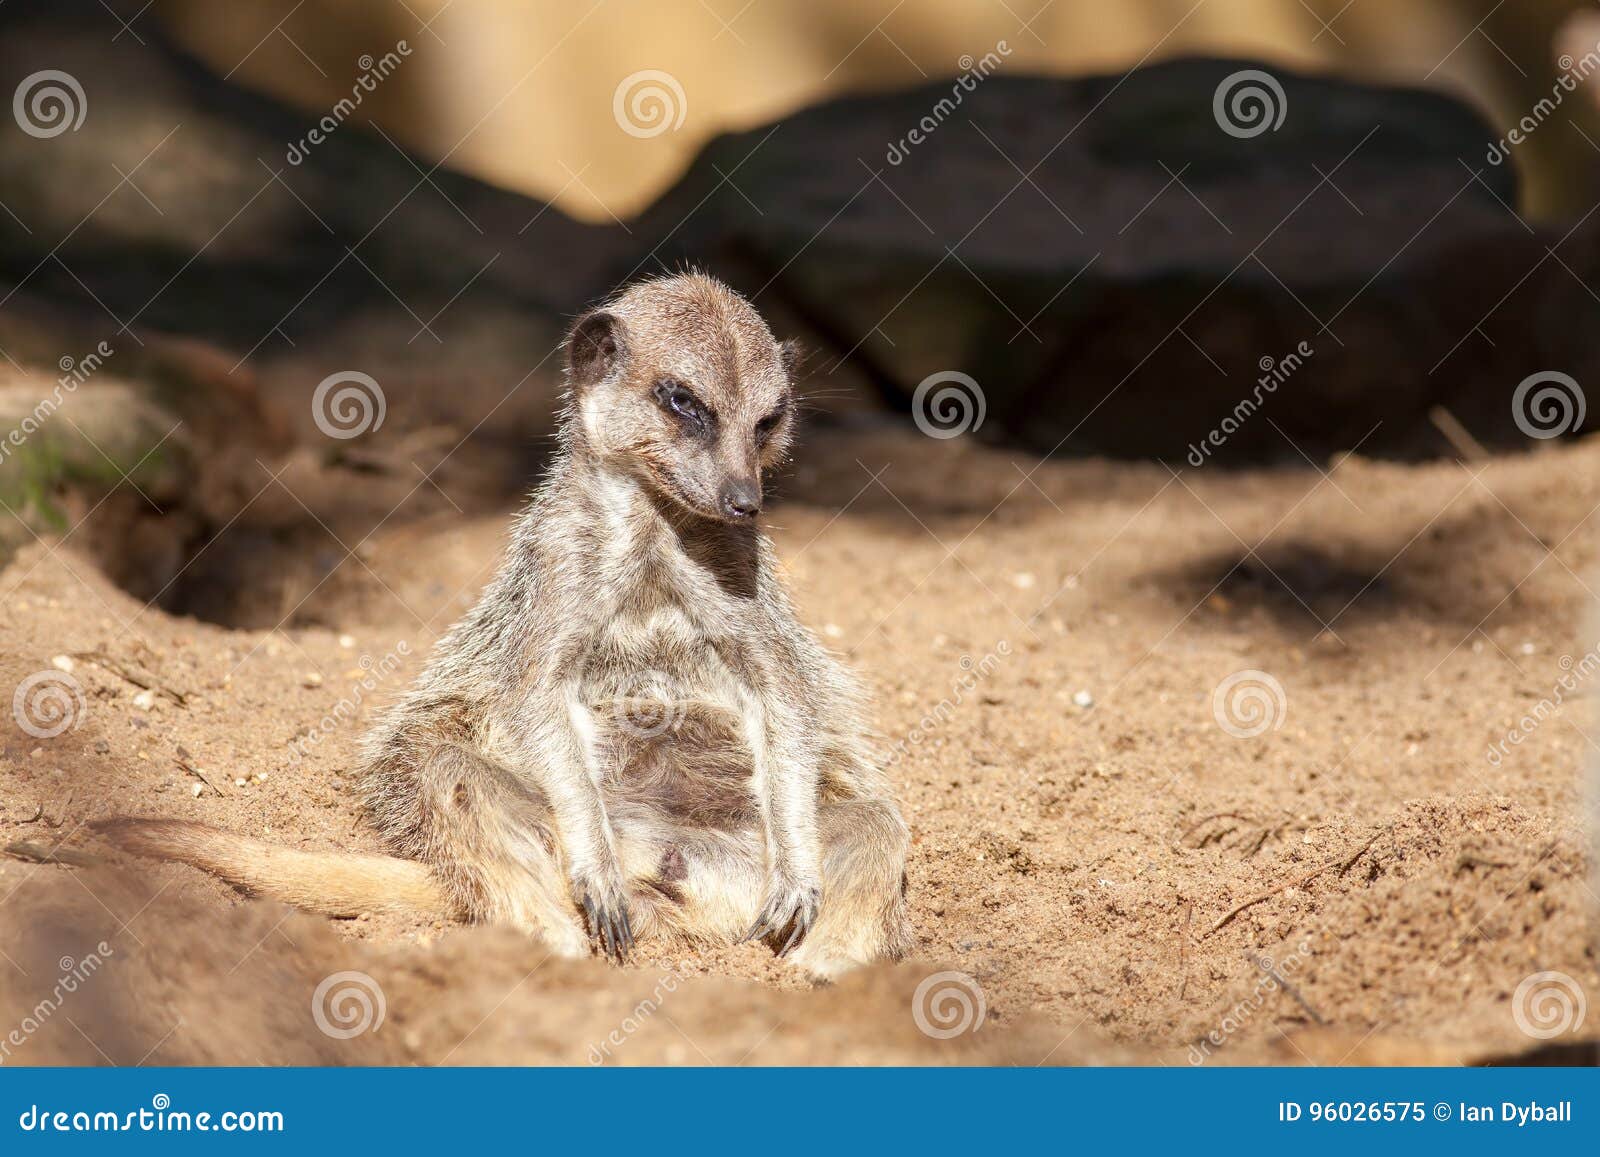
<point x="38" y="815"/>
<point x="1194" y="827"/>
<point x="200" y="775"/>
<point x="1271" y="970"/>
<point x="1261" y="838"/>
<point x="56" y="823"/>
<point x="1457" y="435"/>
<point x="137" y="678"/>
<point x="1342" y="865"/>
<point x="1183" y="947"/>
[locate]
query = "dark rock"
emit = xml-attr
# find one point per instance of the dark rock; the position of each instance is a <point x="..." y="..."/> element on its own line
<point x="246" y="248"/>
<point x="1115" y="269"/>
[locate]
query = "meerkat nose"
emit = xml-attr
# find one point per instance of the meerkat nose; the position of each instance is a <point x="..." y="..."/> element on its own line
<point x="740" y="498"/>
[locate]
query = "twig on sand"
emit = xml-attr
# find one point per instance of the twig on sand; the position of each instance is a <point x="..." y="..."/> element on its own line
<point x="1459" y="437"/>
<point x="1266" y="833"/>
<point x="1255" y="833"/>
<point x="1343" y="866"/>
<point x="1203" y="820"/>
<point x="1183" y="947"/>
<point x="193" y="770"/>
<point x="1265" y="964"/>
<point x="1468" y="860"/>
<point x="38" y="854"/>
<point x="39" y="817"/>
<point x="131" y="675"/>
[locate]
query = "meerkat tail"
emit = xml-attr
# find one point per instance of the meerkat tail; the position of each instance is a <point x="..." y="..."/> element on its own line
<point x="329" y="883"/>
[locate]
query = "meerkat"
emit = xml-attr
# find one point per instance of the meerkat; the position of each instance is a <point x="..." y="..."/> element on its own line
<point x="631" y="734"/>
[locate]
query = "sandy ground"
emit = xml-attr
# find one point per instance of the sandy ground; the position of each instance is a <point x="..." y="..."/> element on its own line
<point x="1120" y="871"/>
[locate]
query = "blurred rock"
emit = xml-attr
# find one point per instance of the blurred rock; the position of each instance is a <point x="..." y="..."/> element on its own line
<point x="82" y="441"/>
<point x="130" y="451"/>
<point x="1100" y="252"/>
<point x="203" y="153"/>
<point x="184" y="203"/>
<point x="233" y="268"/>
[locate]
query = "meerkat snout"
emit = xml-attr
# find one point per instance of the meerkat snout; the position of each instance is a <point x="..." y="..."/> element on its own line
<point x="680" y="384"/>
<point x="741" y="497"/>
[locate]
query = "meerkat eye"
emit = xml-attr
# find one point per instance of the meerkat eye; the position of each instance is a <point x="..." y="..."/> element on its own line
<point x="677" y="398"/>
<point x="767" y="425"/>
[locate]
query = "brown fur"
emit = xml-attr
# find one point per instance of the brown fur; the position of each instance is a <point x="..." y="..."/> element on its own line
<point x="343" y="886"/>
<point x="631" y="734"/>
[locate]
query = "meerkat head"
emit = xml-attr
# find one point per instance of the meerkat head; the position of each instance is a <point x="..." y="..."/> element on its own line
<point x="680" y="382"/>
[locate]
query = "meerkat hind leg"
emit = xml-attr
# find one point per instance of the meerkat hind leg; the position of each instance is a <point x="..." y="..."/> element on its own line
<point x="863" y="913"/>
<point x="490" y="839"/>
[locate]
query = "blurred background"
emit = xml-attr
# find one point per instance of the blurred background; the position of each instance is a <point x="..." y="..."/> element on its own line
<point x="1038" y="223"/>
<point x="518" y="92"/>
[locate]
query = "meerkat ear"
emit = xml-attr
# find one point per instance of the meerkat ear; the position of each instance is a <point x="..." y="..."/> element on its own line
<point x="790" y="353"/>
<point x="596" y="347"/>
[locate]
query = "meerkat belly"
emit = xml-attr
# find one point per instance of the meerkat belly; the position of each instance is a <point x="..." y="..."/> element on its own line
<point x="669" y="733"/>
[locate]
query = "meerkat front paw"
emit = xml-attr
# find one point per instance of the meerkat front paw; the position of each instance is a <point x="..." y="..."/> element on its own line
<point x="605" y="913"/>
<point x="788" y="914"/>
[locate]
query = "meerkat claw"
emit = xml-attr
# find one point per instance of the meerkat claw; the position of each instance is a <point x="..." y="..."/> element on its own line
<point x="802" y="925"/>
<point x="608" y="928"/>
<point x="766" y="924"/>
<point x="619" y="937"/>
<point x="792" y="914"/>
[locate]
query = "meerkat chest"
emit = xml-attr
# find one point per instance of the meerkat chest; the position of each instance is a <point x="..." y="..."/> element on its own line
<point x="669" y="626"/>
<point x="662" y="637"/>
<point x="661" y="647"/>
<point x="658" y="683"/>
